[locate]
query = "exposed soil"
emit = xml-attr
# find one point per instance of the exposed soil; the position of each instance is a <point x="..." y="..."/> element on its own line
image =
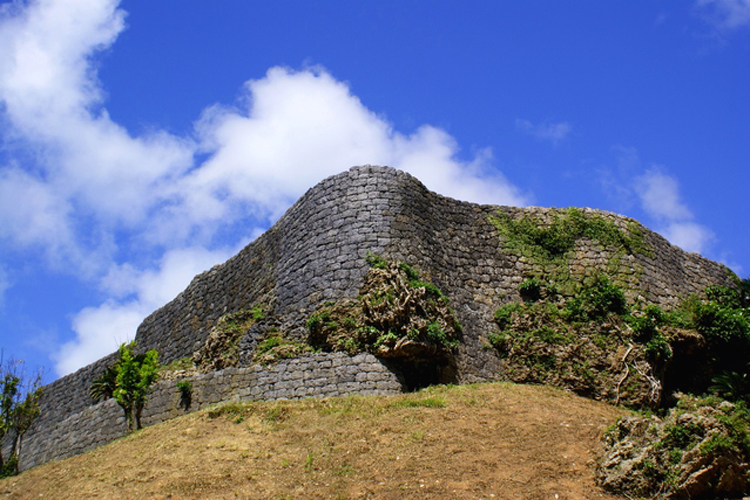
<point x="495" y="440"/>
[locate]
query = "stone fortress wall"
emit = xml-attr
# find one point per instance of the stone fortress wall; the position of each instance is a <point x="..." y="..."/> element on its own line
<point x="316" y="253"/>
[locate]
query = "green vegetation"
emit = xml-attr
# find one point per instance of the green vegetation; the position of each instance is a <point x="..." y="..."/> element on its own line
<point x="572" y="341"/>
<point x="548" y="246"/>
<point x="129" y="381"/>
<point x="19" y="407"/>
<point x="232" y="409"/>
<point x="376" y="261"/>
<point x="530" y="290"/>
<point x="597" y="298"/>
<point x="103" y="387"/>
<point x="221" y="349"/>
<point x="700" y="433"/>
<point x="275" y="347"/>
<point x="529" y="236"/>
<point x="421" y="402"/>
<point x="395" y="304"/>
<point x="185" y="388"/>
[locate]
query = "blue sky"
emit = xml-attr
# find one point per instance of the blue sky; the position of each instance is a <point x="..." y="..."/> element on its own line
<point x="144" y="142"/>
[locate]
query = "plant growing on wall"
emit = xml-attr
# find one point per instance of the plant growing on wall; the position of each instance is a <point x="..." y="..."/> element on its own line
<point x="19" y="407"/>
<point x="221" y="348"/>
<point x="548" y="245"/>
<point x="185" y="388"/>
<point x="129" y="381"/>
<point x="398" y="316"/>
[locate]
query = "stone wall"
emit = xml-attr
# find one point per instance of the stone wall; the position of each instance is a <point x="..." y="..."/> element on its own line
<point x="316" y="252"/>
<point x="317" y="375"/>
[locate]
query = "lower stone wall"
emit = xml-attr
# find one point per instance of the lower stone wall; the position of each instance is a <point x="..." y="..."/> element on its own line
<point x="318" y="375"/>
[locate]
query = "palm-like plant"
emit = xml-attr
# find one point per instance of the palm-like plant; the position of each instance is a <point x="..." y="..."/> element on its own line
<point x="104" y="386"/>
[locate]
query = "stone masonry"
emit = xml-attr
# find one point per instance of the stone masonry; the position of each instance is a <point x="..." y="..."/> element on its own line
<point x="316" y="253"/>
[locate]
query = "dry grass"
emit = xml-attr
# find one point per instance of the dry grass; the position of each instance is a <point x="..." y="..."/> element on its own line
<point x="479" y="441"/>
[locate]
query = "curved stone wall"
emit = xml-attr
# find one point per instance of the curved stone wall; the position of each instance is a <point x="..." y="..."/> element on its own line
<point x="316" y="252"/>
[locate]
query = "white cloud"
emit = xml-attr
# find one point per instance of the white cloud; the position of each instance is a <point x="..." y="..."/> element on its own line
<point x="689" y="236"/>
<point x="660" y="198"/>
<point x="84" y="190"/>
<point x="299" y="127"/>
<point x="5" y="284"/>
<point x="134" y="294"/>
<point x="99" y="330"/>
<point x="554" y="132"/>
<point x="726" y="14"/>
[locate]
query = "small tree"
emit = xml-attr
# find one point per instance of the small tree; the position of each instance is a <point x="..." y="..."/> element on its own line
<point x="135" y="376"/>
<point x="19" y="407"/>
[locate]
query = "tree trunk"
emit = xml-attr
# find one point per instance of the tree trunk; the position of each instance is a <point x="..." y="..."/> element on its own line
<point x="17" y="449"/>
<point x="128" y="418"/>
<point x="138" y="411"/>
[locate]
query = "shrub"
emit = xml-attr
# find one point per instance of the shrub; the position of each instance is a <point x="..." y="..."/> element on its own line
<point x="185" y="388"/>
<point x="504" y="314"/>
<point x="499" y="340"/>
<point x="596" y="299"/>
<point x="732" y="385"/>
<point x="658" y="348"/>
<point x="135" y="376"/>
<point x="727" y="333"/>
<point x="724" y="296"/>
<point x="530" y="290"/>
<point x="376" y="261"/>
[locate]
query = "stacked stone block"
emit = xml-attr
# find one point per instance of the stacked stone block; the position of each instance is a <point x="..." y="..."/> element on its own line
<point x="316" y="253"/>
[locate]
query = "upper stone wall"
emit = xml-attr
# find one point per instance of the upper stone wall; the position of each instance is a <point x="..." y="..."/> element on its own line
<point x="316" y="252"/>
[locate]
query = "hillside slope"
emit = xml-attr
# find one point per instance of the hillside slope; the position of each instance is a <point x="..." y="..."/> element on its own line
<point x="478" y="441"/>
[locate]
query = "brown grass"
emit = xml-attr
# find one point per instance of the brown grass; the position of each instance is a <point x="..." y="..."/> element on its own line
<point x="478" y="441"/>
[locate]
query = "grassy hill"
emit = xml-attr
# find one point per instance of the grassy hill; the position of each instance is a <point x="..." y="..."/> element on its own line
<point x="496" y="440"/>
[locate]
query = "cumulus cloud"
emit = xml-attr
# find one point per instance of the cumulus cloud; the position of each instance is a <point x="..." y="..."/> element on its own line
<point x="660" y="198"/>
<point x="726" y="15"/>
<point x="554" y="132"/>
<point x="104" y="203"/>
<point x="134" y="294"/>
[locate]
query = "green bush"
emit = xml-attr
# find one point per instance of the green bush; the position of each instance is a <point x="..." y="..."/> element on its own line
<point x="727" y="334"/>
<point x="136" y="373"/>
<point x="732" y="385"/>
<point x="411" y="273"/>
<point x="658" y="348"/>
<point x="597" y="299"/>
<point x="530" y="290"/>
<point x="504" y="314"/>
<point x="725" y="296"/>
<point x="376" y="261"/>
<point x="185" y="388"/>
<point x="436" y="336"/>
